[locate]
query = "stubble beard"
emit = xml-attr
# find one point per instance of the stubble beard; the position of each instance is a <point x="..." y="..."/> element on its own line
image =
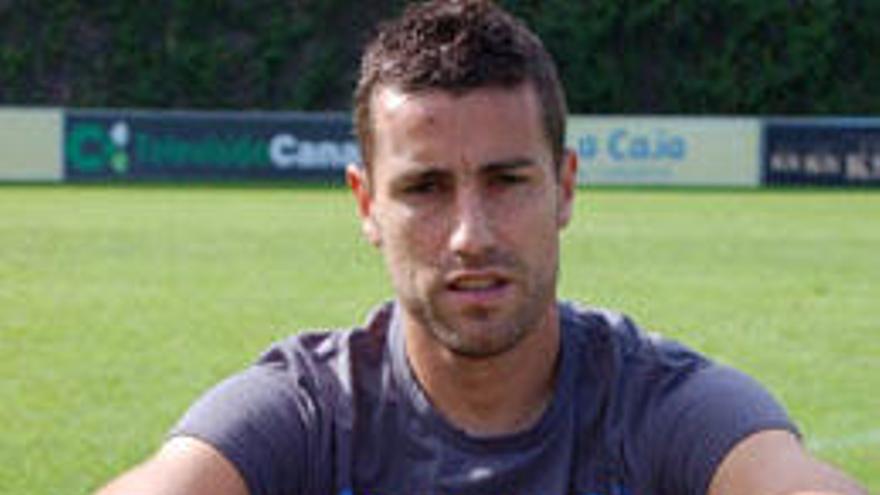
<point x="482" y="333"/>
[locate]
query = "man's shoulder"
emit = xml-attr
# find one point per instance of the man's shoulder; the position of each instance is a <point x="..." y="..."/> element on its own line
<point x="604" y="331"/>
<point x="311" y="349"/>
<point x="680" y="409"/>
<point x="275" y="419"/>
<point x="625" y="364"/>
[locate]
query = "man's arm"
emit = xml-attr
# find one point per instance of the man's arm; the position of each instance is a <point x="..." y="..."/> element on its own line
<point x="183" y="466"/>
<point x="775" y="463"/>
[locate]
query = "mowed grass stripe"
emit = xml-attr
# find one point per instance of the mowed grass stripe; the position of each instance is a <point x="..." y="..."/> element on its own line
<point x="119" y="305"/>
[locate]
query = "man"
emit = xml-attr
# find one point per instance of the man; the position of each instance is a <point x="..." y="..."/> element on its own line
<point x="476" y="380"/>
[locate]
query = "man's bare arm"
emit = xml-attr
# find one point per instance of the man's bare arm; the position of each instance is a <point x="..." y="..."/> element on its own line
<point x="183" y="466"/>
<point x="775" y="463"/>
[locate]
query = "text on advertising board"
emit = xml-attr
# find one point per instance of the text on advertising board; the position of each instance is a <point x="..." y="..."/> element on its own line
<point x="623" y="145"/>
<point x="153" y="145"/>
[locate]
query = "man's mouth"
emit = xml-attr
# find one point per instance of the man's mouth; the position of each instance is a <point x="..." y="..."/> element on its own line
<point x="477" y="282"/>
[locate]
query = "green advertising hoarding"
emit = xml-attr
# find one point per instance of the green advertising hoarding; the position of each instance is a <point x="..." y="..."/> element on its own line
<point x="669" y="151"/>
<point x="145" y="145"/>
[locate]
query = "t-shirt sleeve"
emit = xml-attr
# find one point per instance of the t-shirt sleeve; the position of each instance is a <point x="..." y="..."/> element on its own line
<point x="256" y="419"/>
<point x="701" y="419"/>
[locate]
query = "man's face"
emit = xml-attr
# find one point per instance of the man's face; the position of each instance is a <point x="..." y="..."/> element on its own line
<point x="466" y="206"/>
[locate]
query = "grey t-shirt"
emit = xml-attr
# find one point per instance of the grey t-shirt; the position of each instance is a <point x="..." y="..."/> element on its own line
<point x="340" y="413"/>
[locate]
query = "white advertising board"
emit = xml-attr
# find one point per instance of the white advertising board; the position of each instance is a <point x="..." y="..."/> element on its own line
<point x="672" y="151"/>
<point x="31" y="144"/>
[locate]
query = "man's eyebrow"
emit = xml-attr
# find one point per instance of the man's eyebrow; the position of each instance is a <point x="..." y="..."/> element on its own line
<point x="508" y="164"/>
<point x="433" y="172"/>
<point x="427" y="172"/>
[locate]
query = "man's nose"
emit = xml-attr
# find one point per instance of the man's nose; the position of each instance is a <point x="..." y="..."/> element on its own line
<point x="472" y="232"/>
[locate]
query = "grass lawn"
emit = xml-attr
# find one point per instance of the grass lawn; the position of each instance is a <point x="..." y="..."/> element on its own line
<point x="119" y="305"/>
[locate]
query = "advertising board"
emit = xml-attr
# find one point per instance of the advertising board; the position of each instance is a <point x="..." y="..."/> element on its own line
<point x="670" y="151"/>
<point x="144" y="145"/>
<point x="822" y="151"/>
<point x="30" y="140"/>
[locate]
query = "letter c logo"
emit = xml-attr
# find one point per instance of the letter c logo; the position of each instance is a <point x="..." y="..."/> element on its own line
<point x="89" y="147"/>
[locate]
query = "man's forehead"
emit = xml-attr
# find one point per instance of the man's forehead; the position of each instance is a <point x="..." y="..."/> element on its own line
<point x="390" y="98"/>
<point x="435" y="128"/>
<point x="391" y="102"/>
<point x="508" y="110"/>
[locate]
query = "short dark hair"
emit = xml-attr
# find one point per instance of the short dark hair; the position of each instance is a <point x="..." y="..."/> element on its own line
<point x="458" y="45"/>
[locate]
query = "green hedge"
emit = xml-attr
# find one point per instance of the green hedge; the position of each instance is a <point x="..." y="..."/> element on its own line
<point x="616" y="56"/>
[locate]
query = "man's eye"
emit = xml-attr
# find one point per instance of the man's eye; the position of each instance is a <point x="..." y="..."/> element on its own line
<point x="424" y="187"/>
<point x="510" y="179"/>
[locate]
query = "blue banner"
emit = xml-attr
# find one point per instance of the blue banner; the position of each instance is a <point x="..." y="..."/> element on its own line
<point x="150" y="145"/>
<point x="834" y="152"/>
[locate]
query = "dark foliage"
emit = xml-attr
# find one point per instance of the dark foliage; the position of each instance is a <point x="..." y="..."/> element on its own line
<point x="615" y="56"/>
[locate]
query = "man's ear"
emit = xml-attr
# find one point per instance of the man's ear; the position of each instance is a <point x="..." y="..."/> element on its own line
<point x="358" y="180"/>
<point x="567" y="187"/>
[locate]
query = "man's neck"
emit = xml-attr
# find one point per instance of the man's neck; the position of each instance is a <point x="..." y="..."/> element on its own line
<point x="488" y="396"/>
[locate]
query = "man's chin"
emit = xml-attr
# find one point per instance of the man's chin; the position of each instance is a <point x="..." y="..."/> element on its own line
<point x="479" y="336"/>
<point x="474" y="349"/>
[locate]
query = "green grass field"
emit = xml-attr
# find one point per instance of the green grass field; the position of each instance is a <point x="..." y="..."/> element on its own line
<point x="119" y="305"/>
